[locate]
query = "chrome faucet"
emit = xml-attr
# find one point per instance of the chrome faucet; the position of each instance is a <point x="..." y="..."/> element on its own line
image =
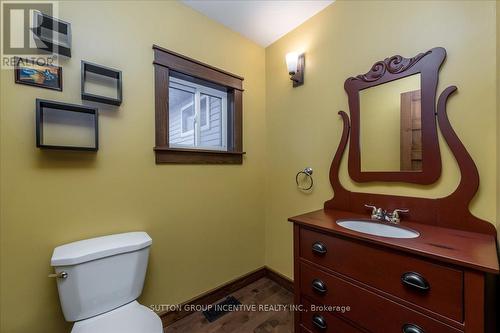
<point x="377" y="213"/>
<point x="394" y="216"/>
<point x="383" y="215"/>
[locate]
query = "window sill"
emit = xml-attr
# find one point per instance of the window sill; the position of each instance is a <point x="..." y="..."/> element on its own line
<point x="196" y="156"/>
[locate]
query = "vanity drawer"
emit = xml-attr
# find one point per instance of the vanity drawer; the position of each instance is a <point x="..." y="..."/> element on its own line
<point x="315" y="320"/>
<point x="432" y="286"/>
<point x="375" y="313"/>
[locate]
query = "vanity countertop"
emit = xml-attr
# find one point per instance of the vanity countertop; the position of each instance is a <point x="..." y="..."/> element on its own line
<point x="468" y="249"/>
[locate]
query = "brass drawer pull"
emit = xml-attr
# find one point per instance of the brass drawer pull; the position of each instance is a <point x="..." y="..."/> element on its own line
<point x="415" y="280"/>
<point x="319" y="321"/>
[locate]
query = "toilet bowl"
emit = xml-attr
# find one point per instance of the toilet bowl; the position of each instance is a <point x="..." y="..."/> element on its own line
<point x="99" y="280"/>
<point x="130" y="318"/>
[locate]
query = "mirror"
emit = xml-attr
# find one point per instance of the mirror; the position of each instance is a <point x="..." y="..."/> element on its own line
<point x="391" y="126"/>
<point x="393" y="130"/>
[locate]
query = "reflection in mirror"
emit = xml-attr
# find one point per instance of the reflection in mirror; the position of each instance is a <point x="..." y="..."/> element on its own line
<point x="391" y="126"/>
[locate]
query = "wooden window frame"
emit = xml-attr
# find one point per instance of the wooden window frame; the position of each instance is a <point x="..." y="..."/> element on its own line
<point x="166" y="61"/>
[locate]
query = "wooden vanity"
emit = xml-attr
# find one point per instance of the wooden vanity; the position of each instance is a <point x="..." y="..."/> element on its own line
<point x="335" y="266"/>
<point x="442" y="281"/>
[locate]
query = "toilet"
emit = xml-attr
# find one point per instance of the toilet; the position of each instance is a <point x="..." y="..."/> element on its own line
<point x="99" y="280"/>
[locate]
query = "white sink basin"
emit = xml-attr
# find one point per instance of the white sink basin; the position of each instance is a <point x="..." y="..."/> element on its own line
<point x="378" y="228"/>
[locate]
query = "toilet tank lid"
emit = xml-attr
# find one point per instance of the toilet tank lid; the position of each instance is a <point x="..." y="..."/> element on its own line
<point x="99" y="247"/>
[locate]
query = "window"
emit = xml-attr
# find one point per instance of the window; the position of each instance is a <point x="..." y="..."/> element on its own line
<point x="198" y="111"/>
<point x="197" y="116"/>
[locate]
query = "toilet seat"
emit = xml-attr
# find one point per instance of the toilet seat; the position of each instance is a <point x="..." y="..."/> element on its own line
<point x="130" y="318"/>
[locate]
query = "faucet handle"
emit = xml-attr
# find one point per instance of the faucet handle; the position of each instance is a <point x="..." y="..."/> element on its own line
<point x="377" y="213"/>
<point x="394" y="216"/>
<point x="372" y="207"/>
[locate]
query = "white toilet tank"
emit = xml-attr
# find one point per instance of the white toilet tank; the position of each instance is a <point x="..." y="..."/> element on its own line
<point x="100" y="274"/>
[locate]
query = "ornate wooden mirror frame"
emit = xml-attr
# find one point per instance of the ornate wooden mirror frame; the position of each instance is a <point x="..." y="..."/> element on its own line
<point x="451" y="211"/>
<point x="427" y="65"/>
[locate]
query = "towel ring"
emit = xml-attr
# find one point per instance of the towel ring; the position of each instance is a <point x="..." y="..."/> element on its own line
<point x="308" y="173"/>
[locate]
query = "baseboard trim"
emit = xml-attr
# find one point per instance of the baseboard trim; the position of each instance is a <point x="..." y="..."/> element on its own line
<point x="279" y="278"/>
<point x="211" y="296"/>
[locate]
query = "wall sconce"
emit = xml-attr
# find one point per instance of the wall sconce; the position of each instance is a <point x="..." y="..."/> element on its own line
<point x="295" y="63"/>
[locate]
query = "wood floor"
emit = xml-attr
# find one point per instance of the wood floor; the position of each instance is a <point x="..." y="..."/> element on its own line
<point x="263" y="291"/>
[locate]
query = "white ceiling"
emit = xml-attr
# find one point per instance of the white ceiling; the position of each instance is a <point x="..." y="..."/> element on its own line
<point x="263" y="21"/>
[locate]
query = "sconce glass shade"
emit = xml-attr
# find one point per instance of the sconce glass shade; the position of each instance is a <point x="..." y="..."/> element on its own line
<point x="291" y="62"/>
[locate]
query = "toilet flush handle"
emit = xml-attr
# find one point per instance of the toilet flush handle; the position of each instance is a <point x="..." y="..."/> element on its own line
<point x="60" y="275"/>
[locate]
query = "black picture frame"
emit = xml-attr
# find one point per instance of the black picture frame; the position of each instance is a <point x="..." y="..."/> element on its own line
<point x="41" y="104"/>
<point x="103" y="71"/>
<point x="21" y="70"/>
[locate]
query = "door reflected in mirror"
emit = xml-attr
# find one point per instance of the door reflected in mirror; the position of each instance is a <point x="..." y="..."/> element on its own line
<point x="391" y="126"/>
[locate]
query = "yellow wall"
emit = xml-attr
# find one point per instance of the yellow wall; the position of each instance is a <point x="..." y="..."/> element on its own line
<point x="498" y="119"/>
<point x="303" y="128"/>
<point x="207" y="222"/>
